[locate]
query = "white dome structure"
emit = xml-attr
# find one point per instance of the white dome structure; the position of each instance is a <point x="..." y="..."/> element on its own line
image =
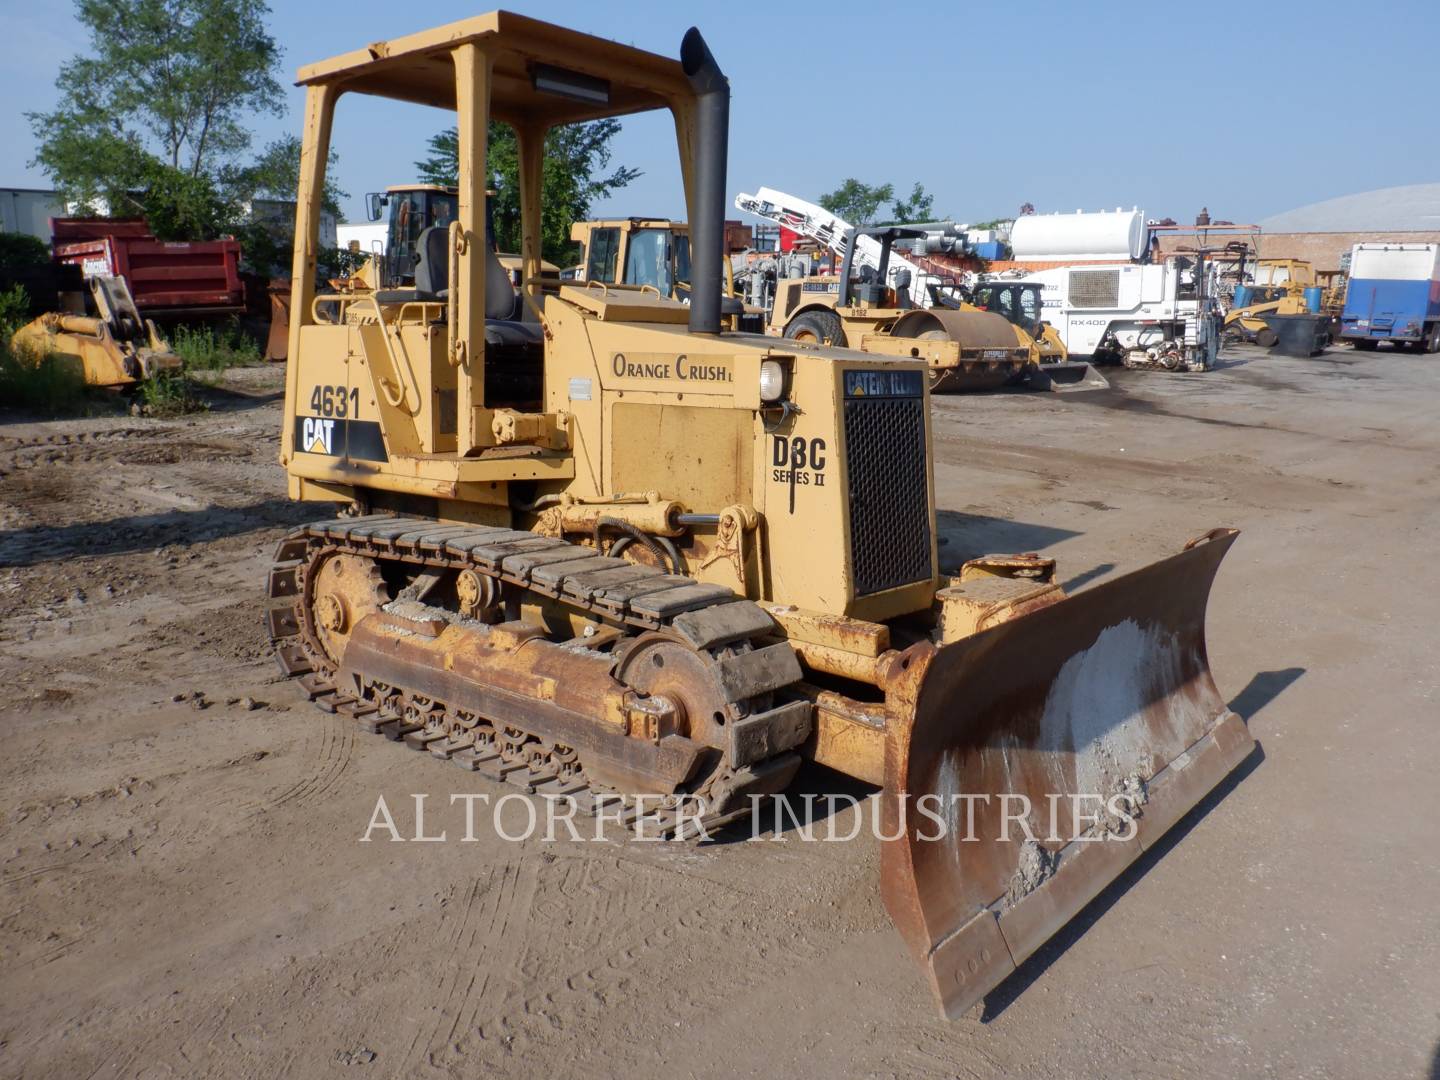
<point x="1412" y="208"/>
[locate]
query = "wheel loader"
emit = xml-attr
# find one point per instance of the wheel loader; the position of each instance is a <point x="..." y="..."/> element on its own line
<point x="408" y="210"/>
<point x="655" y="253"/>
<point x="611" y="549"/>
<point x="1273" y="287"/>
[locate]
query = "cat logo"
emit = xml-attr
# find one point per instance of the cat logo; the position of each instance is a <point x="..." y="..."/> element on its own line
<point x="318" y="436"/>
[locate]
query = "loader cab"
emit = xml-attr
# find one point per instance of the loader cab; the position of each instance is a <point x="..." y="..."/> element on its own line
<point x="654" y="253"/>
<point x="636" y="251"/>
<point x="1018" y="301"/>
<point x="408" y="211"/>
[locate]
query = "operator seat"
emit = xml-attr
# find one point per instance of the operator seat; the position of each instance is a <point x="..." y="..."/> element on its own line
<point x="432" y="283"/>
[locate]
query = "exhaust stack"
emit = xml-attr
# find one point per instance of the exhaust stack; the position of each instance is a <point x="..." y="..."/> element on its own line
<point x="707" y="215"/>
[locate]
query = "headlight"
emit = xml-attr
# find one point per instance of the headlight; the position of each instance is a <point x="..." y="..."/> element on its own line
<point x="772" y="380"/>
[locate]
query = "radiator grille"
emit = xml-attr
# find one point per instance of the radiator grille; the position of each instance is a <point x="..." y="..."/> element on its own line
<point x="889" y="496"/>
<point x="1094" y="288"/>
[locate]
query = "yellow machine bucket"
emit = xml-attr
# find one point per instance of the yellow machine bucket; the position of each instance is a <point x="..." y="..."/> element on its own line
<point x="1063" y="376"/>
<point x="1042" y="757"/>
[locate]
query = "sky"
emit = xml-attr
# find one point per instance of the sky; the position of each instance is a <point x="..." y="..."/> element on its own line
<point x="1064" y="105"/>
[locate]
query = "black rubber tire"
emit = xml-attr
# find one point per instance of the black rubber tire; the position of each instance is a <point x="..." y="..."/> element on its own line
<point x="822" y="326"/>
<point x="1365" y="346"/>
<point x="1265" y="337"/>
<point x="1432" y="343"/>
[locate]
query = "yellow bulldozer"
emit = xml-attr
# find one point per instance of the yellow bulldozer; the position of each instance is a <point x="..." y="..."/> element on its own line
<point x="612" y="549"/>
<point x="106" y="341"/>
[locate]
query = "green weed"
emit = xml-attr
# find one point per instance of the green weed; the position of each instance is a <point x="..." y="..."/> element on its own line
<point x="169" y="393"/>
<point x="210" y="348"/>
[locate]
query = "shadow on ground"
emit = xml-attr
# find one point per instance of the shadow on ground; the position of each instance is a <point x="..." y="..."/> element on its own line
<point x="968" y="536"/>
<point x="41" y="544"/>
<point x="1262" y="689"/>
<point x="1084" y="578"/>
<point x="817" y="795"/>
<point x="223" y="400"/>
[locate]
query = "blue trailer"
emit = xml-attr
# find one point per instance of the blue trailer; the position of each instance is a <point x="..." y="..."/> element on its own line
<point x="1393" y="295"/>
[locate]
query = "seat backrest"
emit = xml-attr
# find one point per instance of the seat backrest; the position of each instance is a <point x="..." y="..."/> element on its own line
<point x="499" y="293"/>
<point x="432" y="265"/>
<point x="432" y="273"/>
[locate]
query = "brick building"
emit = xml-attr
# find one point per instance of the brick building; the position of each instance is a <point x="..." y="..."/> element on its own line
<point x="1323" y="232"/>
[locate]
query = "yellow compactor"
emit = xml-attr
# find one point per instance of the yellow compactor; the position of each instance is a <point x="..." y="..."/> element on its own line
<point x="608" y="546"/>
<point x="969" y="344"/>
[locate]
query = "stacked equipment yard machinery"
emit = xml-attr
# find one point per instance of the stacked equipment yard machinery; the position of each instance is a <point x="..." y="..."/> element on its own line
<point x="1277" y="287"/>
<point x="886" y="301"/>
<point x="1156" y="315"/>
<point x="123" y="279"/>
<point x="619" y="549"/>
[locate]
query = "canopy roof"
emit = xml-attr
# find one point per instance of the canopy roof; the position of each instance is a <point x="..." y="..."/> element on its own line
<point x="418" y="68"/>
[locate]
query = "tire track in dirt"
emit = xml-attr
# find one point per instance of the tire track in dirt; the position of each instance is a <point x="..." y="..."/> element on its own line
<point x="128" y="446"/>
<point x="612" y="914"/>
<point x="329" y="747"/>
<point x="487" y="940"/>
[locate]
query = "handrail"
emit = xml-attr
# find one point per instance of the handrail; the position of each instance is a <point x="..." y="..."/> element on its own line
<point x="533" y="306"/>
<point x="397" y="401"/>
<point x="452" y="307"/>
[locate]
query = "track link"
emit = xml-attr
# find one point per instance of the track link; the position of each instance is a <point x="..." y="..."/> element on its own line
<point x="631" y="598"/>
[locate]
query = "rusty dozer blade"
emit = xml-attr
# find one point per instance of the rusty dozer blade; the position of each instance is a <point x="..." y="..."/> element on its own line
<point x="1063" y="376"/>
<point x="1105" y="695"/>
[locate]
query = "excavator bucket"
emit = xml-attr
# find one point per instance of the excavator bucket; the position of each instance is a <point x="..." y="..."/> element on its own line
<point x="1066" y="375"/>
<point x="1049" y="752"/>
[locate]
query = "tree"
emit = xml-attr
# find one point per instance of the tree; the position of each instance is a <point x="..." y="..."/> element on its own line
<point x="860" y="204"/>
<point x="267" y="242"/>
<point x="275" y="174"/>
<point x="857" y="203"/>
<point x="442" y="167"/>
<point x="918" y="207"/>
<point x="182" y="206"/>
<point x="170" y="81"/>
<point x="575" y="155"/>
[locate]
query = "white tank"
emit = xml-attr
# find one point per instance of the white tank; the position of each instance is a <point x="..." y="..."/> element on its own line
<point x="1117" y="235"/>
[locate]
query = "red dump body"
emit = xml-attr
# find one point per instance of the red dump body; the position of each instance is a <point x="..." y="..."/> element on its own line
<point x="192" y="277"/>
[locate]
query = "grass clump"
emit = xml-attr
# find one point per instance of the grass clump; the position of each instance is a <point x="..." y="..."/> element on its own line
<point x="52" y="384"/>
<point x="207" y="351"/>
<point x="42" y="384"/>
<point x="168" y="393"/>
<point x="211" y="348"/>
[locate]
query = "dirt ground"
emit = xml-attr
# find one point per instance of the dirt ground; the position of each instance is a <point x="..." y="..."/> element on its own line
<point x="183" y="893"/>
